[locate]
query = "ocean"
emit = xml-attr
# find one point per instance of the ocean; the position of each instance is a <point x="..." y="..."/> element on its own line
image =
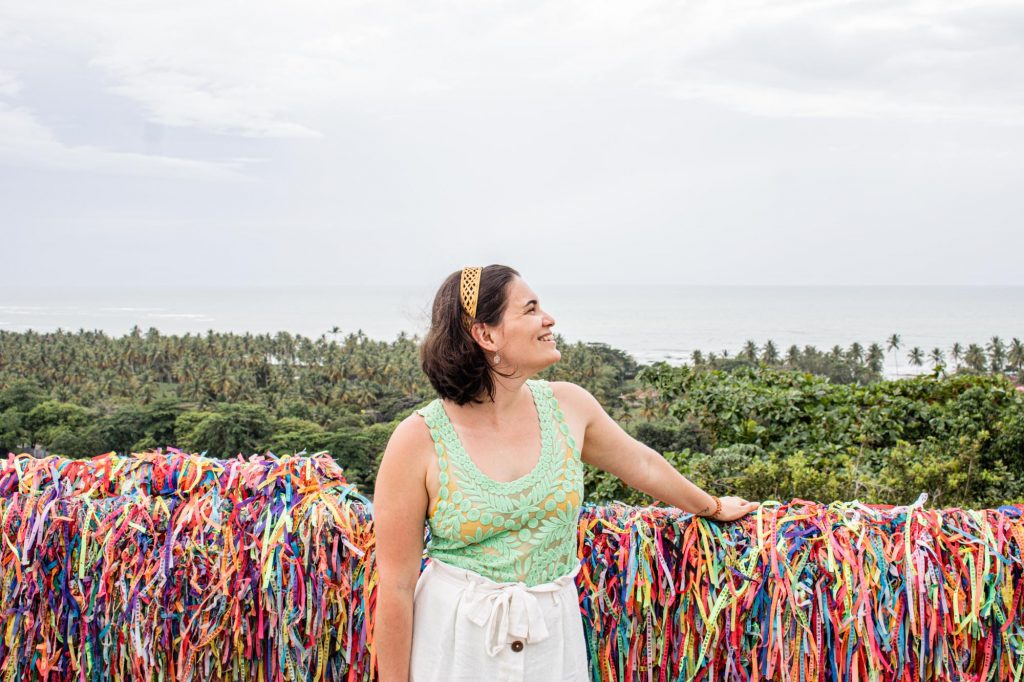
<point x="649" y="322"/>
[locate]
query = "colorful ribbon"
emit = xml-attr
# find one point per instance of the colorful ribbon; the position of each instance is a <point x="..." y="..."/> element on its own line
<point x="175" y="566"/>
<point x="804" y="591"/>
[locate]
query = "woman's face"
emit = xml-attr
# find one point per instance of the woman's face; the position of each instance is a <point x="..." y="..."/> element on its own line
<point x="526" y="340"/>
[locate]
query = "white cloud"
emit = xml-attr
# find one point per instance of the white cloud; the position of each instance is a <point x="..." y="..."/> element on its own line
<point x="270" y="70"/>
<point x="841" y="103"/>
<point x="25" y="142"/>
<point x="185" y="99"/>
<point x="10" y="86"/>
<point x="221" y="67"/>
<point x="897" y="61"/>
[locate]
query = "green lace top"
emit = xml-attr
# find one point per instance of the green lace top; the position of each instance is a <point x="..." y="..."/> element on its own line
<point x="517" y="531"/>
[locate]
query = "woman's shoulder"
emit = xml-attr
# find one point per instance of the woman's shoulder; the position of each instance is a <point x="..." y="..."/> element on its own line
<point x="573" y="398"/>
<point x="412" y="434"/>
<point x="566" y="389"/>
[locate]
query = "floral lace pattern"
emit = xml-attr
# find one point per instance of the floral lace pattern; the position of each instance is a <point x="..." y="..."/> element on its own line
<point x="509" y="531"/>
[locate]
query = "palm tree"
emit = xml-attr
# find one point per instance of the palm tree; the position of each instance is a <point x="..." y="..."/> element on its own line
<point x="697" y="357"/>
<point x="749" y="351"/>
<point x="997" y="354"/>
<point x="875" y="357"/>
<point x="894" y="345"/>
<point x="770" y="354"/>
<point x="957" y="353"/>
<point x="1015" y="357"/>
<point x="856" y="352"/>
<point x="937" y="357"/>
<point x="916" y="356"/>
<point x="793" y="356"/>
<point x="975" y="357"/>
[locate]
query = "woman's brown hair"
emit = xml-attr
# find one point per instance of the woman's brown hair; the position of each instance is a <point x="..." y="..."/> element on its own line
<point x="452" y="360"/>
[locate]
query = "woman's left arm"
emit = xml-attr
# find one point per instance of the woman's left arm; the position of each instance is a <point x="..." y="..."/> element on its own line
<point x="609" y="448"/>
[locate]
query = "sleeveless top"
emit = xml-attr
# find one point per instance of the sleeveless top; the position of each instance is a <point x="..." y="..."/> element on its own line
<point x="524" y="530"/>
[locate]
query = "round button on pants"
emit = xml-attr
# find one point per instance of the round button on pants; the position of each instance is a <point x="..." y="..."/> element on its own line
<point x="468" y="628"/>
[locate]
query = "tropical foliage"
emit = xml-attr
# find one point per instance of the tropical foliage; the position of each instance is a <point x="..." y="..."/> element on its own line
<point x="765" y="424"/>
<point x="763" y="433"/>
<point x="88" y="393"/>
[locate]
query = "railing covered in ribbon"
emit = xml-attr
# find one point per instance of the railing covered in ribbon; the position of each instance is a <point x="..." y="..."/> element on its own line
<point x="174" y="566"/>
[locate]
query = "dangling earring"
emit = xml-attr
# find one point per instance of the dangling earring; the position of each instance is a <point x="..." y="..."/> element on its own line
<point x="497" y="358"/>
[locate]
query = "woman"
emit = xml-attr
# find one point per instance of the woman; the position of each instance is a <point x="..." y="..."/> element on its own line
<point x="498" y="599"/>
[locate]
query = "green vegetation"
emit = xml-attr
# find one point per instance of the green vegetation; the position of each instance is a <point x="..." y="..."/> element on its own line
<point x="764" y="433"/>
<point x="85" y="394"/>
<point x="763" y="425"/>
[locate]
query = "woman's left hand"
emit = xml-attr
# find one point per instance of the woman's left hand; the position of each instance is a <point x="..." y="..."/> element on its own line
<point x="734" y="508"/>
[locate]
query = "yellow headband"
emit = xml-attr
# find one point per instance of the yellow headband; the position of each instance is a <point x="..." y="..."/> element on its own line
<point x="469" y="287"/>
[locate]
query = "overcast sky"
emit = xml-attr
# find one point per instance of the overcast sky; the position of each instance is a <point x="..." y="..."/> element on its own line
<point x="704" y="142"/>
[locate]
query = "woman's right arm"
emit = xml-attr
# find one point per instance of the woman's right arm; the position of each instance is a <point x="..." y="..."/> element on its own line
<point x="399" y="512"/>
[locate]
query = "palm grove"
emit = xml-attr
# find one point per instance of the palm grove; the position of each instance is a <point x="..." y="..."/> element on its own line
<point x="764" y="424"/>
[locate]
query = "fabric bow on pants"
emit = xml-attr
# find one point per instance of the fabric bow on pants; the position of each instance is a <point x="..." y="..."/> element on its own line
<point x="509" y="611"/>
<point x="503" y="624"/>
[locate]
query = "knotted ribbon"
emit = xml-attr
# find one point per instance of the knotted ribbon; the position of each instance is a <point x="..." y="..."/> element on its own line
<point x="507" y="611"/>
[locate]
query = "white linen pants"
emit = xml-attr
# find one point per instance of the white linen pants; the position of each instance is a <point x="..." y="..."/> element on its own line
<point x="467" y="628"/>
